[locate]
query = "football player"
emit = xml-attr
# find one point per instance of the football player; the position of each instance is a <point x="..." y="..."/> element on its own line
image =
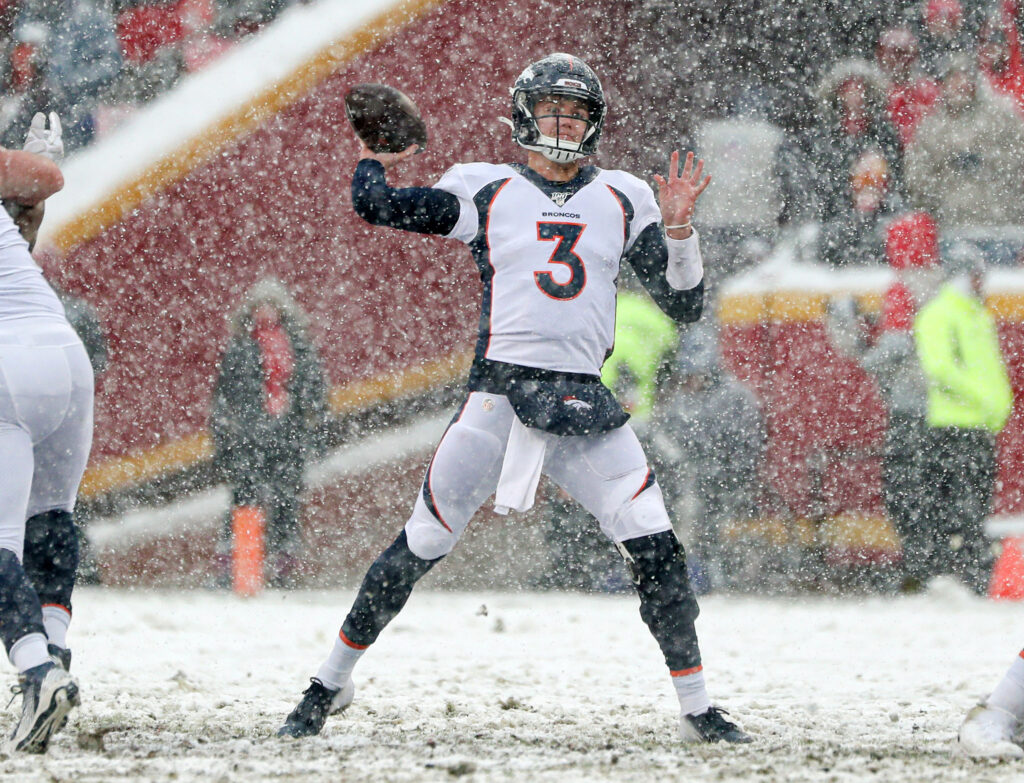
<point x="992" y="727"/>
<point x="46" y="410"/>
<point x="548" y="238"/>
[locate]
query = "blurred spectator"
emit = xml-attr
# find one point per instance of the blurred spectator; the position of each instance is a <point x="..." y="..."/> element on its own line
<point x="82" y="55"/>
<point x="969" y="401"/>
<point x="709" y="444"/>
<point x="856" y="236"/>
<point x="891" y="358"/>
<point x="944" y="31"/>
<point x="27" y="91"/>
<point x="144" y="28"/>
<point x="202" y="44"/>
<point x="912" y="93"/>
<point x="238" y="18"/>
<point x="644" y="338"/>
<point x="853" y="123"/>
<point x="267" y="419"/>
<point x="999" y="55"/>
<point x="762" y="182"/>
<point x="966" y="163"/>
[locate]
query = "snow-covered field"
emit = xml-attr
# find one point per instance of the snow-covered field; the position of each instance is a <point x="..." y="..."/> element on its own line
<point x="538" y="687"/>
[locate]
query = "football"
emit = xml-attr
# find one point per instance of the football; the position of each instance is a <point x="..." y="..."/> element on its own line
<point x="385" y="119"/>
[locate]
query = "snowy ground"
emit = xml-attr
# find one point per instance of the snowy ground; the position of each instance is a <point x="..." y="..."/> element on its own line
<point x="539" y="687"/>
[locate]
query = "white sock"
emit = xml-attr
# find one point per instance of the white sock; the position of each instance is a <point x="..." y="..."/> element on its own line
<point x="56" y="620"/>
<point x="29" y="651"/>
<point x="337" y="669"/>
<point x="693" y="696"/>
<point x="1009" y="693"/>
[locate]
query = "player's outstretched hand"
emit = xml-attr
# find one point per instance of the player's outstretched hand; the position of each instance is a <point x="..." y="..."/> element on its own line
<point x="387" y="159"/>
<point x="44" y="141"/>
<point x="678" y="193"/>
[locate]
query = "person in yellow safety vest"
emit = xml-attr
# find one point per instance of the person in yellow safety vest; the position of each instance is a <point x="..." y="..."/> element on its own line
<point x="644" y="338"/>
<point x="969" y="401"/>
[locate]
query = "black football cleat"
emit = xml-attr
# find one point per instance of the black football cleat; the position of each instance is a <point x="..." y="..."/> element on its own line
<point x="318" y="701"/>
<point x="48" y="694"/>
<point x="711" y="726"/>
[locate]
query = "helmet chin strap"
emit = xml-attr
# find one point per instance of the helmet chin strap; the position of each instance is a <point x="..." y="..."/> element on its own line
<point x="550" y="149"/>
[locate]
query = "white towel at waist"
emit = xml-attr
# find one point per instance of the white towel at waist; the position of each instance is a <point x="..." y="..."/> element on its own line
<point x="520" y="471"/>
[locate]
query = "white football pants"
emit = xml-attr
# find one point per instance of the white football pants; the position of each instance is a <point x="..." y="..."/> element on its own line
<point x="607" y="474"/>
<point x="46" y="412"/>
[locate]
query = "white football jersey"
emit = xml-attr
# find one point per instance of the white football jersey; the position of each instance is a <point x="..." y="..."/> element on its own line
<point x="549" y="269"/>
<point x="24" y="292"/>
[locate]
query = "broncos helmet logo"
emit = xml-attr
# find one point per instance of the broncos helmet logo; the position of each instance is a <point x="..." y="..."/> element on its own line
<point x="577" y="404"/>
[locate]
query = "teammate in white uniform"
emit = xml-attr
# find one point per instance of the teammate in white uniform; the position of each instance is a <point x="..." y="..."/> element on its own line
<point x="548" y="239"/>
<point x="992" y="728"/>
<point x="46" y="398"/>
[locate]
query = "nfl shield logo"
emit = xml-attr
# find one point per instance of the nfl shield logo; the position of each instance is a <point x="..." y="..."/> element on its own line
<point x="560" y="198"/>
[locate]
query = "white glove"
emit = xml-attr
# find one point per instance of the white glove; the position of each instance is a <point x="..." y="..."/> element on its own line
<point x="43" y="141"/>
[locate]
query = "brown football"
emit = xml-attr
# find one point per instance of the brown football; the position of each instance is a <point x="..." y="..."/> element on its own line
<point x="386" y="119"/>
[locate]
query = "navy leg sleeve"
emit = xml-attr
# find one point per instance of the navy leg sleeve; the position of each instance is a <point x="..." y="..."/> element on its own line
<point x="20" y="613"/>
<point x="51" y="556"/>
<point x="384" y="591"/>
<point x="667" y="603"/>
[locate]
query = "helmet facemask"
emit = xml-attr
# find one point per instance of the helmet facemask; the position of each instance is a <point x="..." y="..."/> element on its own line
<point x="554" y="148"/>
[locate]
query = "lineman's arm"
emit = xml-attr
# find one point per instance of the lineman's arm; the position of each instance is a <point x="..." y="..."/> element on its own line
<point x="27" y="178"/>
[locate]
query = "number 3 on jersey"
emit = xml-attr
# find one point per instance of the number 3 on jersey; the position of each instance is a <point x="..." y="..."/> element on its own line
<point x="566" y="235"/>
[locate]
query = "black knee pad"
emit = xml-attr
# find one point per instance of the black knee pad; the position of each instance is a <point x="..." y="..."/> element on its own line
<point x="384" y="591"/>
<point x="20" y="613"/>
<point x="51" y="556"/>
<point x="667" y="603"/>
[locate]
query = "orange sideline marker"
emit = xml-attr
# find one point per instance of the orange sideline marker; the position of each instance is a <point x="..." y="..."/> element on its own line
<point x="247" y="525"/>
<point x="1008" y="573"/>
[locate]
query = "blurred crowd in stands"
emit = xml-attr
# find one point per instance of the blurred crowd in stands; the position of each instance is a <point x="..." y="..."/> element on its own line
<point x="94" y="61"/>
<point x="901" y="144"/>
<point x="929" y="116"/>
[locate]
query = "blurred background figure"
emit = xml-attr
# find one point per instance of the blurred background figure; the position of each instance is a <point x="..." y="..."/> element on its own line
<point x="25" y="90"/>
<point x="644" y="337"/>
<point x="969" y="402"/>
<point x="267" y="420"/>
<point x="999" y="54"/>
<point x="762" y="183"/>
<point x="82" y="55"/>
<point x="708" y="445"/>
<point x="852" y="121"/>
<point x="891" y="359"/>
<point x="857" y="160"/>
<point x="965" y="165"/>
<point x="944" y="29"/>
<point x="912" y="92"/>
<point x="856" y="235"/>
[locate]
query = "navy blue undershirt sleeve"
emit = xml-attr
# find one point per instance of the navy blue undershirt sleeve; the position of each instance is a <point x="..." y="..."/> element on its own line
<point x="649" y="257"/>
<point x="423" y="210"/>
